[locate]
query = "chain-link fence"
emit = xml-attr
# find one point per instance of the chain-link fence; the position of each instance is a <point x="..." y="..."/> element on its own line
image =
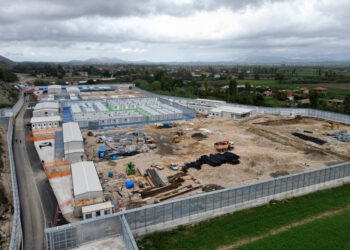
<point x="194" y="208"/>
<point x="16" y="234"/>
<point x="76" y="234"/>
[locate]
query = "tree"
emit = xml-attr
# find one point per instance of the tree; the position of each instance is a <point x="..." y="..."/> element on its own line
<point x="314" y="100"/>
<point x="156" y="85"/>
<point x="232" y="90"/>
<point x="347" y="104"/>
<point x="90" y="81"/>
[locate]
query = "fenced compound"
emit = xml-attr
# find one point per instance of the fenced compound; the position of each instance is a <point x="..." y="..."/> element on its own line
<point x="195" y="208"/>
<point x="169" y="214"/>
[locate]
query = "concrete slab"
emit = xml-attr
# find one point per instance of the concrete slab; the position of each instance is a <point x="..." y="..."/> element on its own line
<point x="115" y="242"/>
<point x="46" y="154"/>
<point x="62" y="187"/>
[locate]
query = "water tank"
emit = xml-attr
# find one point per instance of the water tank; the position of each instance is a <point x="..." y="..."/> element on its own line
<point x="129" y="184"/>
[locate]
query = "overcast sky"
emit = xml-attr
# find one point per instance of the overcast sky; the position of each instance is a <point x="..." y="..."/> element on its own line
<point x="178" y="30"/>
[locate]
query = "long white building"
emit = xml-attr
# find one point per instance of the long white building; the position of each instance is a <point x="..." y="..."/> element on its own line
<point x="73" y="142"/>
<point x="46" y="109"/>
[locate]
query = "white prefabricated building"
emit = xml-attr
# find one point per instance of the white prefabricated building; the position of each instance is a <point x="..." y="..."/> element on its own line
<point x="46" y="109"/>
<point x="45" y="122"/>
<point x="231" y="112"/>
<point x="54" y="89"/>
<point x="86" y="184"/>
<point x="73" y="142"/>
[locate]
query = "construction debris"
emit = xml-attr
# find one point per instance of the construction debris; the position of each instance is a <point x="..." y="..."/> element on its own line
<point x="341" y="135"/>
<point x="213" y="160"/>
<point x="310" y="138"/>
<point x="155" y="191"/>
<point x="279" y="173"/>
<point x="211" y="187"/>
<point x="157" y="181"/>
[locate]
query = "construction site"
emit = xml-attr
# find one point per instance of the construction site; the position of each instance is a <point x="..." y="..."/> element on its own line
<point x="166" y="154"/>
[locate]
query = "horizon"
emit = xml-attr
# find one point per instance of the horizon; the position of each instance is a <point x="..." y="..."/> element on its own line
<point x="181" y="32"/>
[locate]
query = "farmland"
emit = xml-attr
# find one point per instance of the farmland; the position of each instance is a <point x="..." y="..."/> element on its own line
<point x="240" y="228"/>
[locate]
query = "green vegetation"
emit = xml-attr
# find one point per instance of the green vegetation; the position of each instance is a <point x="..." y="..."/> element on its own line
<point x="8" y="95"/>
<point x="3" y="198"/>
<point x="7" y="76"/>
<point x="231" y="228"/>
<point x="327" y="233"/>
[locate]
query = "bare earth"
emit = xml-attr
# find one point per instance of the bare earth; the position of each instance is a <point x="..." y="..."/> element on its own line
<point x="6" y="211"/>
<point x="264" y="143"/>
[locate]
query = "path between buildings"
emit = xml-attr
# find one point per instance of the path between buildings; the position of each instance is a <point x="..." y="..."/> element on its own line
<point x="282" y="229"/>
<point x="38" y="203"/>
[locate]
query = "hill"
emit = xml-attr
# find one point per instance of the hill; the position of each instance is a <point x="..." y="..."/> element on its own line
<point x="6" y="63"/>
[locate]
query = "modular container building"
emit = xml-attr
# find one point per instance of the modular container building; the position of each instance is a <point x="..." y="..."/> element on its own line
<point x="54" y="89"/>
<point x="231" y="112"/>
<point x="46" y="109"/>
<point x="86" y="184"/>
<point x="45" y="122"/>
<point x="73" y="142"/>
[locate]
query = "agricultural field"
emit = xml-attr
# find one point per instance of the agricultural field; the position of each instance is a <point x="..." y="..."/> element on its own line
<point x="297" y="222"/>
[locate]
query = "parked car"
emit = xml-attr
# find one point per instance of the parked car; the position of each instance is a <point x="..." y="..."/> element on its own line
<point x="45" y="144"/>
<point x="173" y="166"/>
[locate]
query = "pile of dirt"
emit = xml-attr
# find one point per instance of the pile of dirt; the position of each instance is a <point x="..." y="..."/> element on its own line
<point x="199" y="136"/>
<point x="279" y="173"/>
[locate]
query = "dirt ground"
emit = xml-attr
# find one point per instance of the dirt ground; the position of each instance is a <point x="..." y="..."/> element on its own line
<point x="264" y="143"/>
<point x="120" y="93"/>
<point x="6" y="210"/>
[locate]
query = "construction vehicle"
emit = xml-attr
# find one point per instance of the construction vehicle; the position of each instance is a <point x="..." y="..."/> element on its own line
<point x="130" y="168"/>
<point x="222" y="146"/>
<point x="176" y="139"/>
<point x="148" y="139"/>
<point x="180" y="132"/>
<point x="165" y="125"/>
<point x="299" y="117"/>
<point x="332" y="125"/>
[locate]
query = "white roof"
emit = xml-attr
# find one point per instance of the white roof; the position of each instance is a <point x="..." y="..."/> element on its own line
<point x="45" y="119"/>
<point x="85" y="178"/>
<point x="54" y="87"/>
<point x="46" y="105"/>
<point x="72" y="88"/>
<point x="208" y="100"/>
<point x="71" y="132"/>
<point x="97" y="207"/>
<point x="230" y="109"/>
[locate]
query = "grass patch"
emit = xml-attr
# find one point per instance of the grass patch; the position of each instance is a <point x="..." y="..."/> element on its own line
<point x="230" y="228"/>
<point x="272" y="102"/>
<point x="331" y="232"/>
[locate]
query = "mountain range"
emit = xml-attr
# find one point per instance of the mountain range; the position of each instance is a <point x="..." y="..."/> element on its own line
<point x="249" y="60"/>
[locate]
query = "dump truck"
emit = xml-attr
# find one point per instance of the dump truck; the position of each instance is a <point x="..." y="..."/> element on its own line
<point x="130" y="168"/>
<point x="165" y="125"/>
<point x="222" y="146"/>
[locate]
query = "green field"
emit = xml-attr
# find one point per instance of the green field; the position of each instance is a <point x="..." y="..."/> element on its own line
<point x="327" y="233"/>
<point x="232" y="228"/>
<point x="272" y="102"/>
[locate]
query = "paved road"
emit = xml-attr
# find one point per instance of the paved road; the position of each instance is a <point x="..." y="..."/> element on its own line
<point x="38" y="203"/>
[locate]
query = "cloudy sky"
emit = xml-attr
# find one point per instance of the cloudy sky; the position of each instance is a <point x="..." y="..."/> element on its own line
<point x="181" y="30"/>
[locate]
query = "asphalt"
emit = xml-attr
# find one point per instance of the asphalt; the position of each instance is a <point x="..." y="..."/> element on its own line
<point x="38" y="202"/>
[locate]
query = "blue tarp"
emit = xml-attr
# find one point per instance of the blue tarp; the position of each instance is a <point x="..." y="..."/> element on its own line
<point x="67" y="116"/>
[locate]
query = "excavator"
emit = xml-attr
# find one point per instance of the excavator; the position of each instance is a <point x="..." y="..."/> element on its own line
<point x="130" y="168"/>
<point x="148" y="139"/>
<point x="176" y="139"/>
<point x="333" y="125"/>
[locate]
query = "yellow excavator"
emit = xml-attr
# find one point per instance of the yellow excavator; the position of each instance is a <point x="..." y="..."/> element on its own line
<point x="176" y="139"/>
<point x="333" y="125"/>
